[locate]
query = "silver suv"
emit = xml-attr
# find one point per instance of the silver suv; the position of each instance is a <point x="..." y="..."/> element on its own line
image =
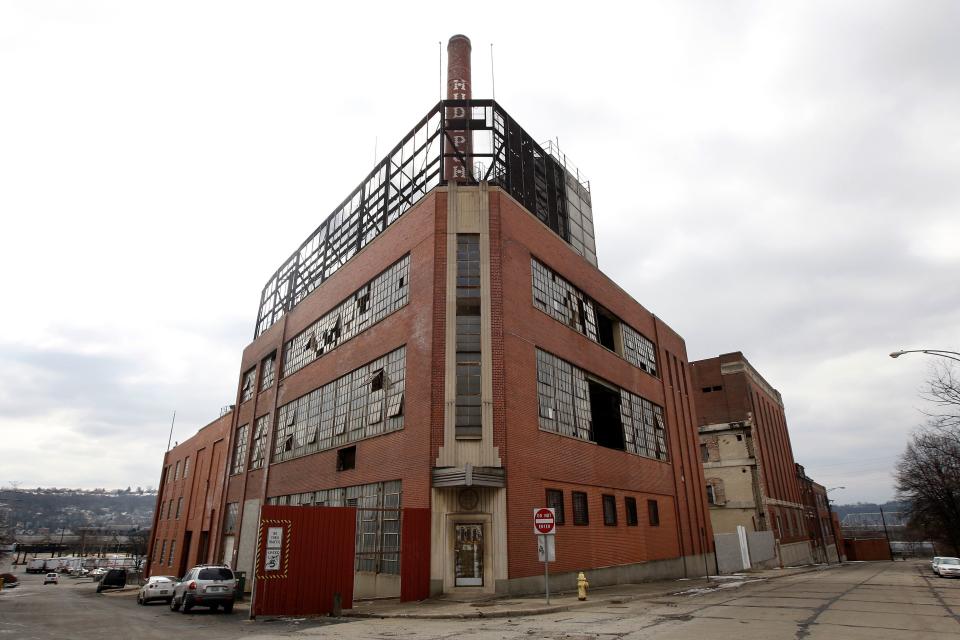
<point x="206" y="585"/>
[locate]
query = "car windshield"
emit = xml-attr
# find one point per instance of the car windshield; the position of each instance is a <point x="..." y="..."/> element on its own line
<point x="215" y="574"/>
<point x="949" y="560"/>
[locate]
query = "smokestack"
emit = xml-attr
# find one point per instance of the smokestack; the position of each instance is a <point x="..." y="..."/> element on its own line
<point x="458" y="164"/>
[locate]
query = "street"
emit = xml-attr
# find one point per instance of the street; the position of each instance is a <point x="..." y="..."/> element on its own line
<point x="872" y="601"/>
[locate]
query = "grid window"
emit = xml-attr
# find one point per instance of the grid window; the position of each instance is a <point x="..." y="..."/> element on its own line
<point x="230" y="517"/>
<point x="186" y="466"/>
<point x="176" y="471"/>
<point x="378" y="520"/>
<point x="268" y="371"/>
<point x="179" y="507"/>
<point x="563" y="395"/>
<point x="469" y="411"/>
<point x="581" y="514"/>
<point x="653" y="513"/>
<point x="367" y="306"/>
<point x="247" y="386"/>
<point x="259" y="443"/>
<point x="555" y="502"/>
<point x="173" y="544"/>
<point x="630" y="506"/>
<point x="240" y="451"/>
<point x="163" y="551"/>
<point x="556" y="297"/>
<point x="610" y="510"/>
<point x="363" y="403"/>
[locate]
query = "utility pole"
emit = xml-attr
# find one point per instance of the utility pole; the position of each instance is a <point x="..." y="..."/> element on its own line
<point x="886" y="533"/>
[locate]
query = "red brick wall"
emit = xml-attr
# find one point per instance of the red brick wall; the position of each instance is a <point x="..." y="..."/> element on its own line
<point x="540" y="459"/>
<point x="401" y="455"/>
<point x="201" y="490"/>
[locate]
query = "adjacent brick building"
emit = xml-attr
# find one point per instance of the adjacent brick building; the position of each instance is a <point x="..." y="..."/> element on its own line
<point x="187" y="518"/>
<point x="751" y="476"/>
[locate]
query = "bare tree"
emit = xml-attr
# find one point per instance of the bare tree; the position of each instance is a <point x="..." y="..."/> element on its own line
<point x="928" y="472"/>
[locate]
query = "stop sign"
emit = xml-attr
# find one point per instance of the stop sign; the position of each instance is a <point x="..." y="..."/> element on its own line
<point x="544" y="521"/>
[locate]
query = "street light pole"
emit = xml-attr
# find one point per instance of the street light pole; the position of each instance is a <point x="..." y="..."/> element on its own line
<point x="953" y="355"/>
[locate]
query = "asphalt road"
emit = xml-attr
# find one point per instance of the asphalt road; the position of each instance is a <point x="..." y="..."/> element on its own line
<point x="860" y="601"/>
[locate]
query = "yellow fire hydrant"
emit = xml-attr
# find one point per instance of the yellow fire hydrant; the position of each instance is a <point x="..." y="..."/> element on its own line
<point x="582" y="585"/>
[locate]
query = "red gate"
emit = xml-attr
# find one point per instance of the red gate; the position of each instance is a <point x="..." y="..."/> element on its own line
<point x="415" y="555"/>
<point x="304" y="557"/>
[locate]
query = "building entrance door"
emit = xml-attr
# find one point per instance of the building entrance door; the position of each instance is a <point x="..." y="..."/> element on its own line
<point x="468" y="555"/>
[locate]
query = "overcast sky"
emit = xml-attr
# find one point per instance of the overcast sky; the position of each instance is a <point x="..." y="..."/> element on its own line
<point x="774" y="178"/>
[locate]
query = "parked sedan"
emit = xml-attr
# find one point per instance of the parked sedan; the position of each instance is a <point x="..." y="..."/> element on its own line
<point x="51" y="578"/>
<point x="948" y="567"/>
<point x="157" y="588"/>
<point x="934" y="562"/>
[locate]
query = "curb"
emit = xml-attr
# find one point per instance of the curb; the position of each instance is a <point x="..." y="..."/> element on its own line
<point x="514" y="613"/>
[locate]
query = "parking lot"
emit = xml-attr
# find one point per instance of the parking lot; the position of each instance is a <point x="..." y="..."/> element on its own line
<point x="874" y="601"/>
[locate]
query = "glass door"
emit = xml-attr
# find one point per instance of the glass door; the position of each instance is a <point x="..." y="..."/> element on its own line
<point x="468" y="555"/>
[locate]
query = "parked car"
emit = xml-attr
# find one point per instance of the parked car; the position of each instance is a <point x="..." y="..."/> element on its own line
<point x="933" y="563"/>
<point x="113" y="579"/>
<point x="948" y="567"/>
<point x="157" y="588"/>
<point x="51" y="578"/>
<point x="205" y="586"/>
<point x="9" y="580"/>
<point x="98" y="573"/>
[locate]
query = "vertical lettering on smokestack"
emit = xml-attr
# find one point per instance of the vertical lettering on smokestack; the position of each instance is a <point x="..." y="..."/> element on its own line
<point x="459" y="145"/>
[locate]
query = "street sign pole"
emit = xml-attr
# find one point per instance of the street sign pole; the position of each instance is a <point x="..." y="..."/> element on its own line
<point x="546" y="565"/>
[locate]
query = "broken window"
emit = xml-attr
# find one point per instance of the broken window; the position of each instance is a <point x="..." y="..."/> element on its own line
<point x="259" y="443"/>
<point x="376" y="380"/>
<point x="365" y="402"/>
<point x="246" y="389"/>
<point x="606" y="329"/>
<point x="565" y="303"/>
<point x="607" y="428"/>
<point x="267" y="368"/>
<point x="609" y="510"/>
<point x="368" y="305"/>
<point x="240" y="451"/>
<point x="704" y="452"/>
<point x="346" y="459"/>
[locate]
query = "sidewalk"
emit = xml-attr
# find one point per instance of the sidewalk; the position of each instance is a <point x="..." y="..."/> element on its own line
<point x="509" y="607"/>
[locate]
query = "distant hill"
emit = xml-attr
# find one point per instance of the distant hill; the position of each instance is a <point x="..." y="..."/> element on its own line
<point x="40" y="510"/>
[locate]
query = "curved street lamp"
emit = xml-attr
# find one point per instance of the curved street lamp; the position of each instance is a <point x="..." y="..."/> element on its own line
<point x="932" y="352"/>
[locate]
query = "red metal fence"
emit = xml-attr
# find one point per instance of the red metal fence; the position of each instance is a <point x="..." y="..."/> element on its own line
<point x="304" y="557"/>
<point x="867" y="549"/>
<point x="415" y="555"/>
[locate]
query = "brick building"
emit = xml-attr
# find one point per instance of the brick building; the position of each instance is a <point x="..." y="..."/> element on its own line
<point x="751" y="476"/>
<point x="819" y="519"/>
<point x="187" y="518"/>
<point x="445" y="340"/>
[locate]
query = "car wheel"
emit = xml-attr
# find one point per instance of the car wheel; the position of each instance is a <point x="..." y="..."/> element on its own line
<point x="228" y="608"/>
<point x="185" y="606"/>
<point x="174" y="605"/>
